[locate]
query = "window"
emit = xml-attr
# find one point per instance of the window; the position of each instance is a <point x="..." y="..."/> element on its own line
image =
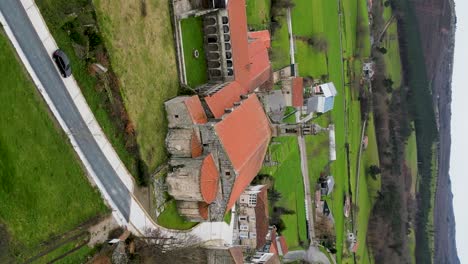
<point x="253" y="199"/>
<point x="243" y="235"/>
<point x="253" y="235"/>
<point x="243" y="218"/>
<point x="244" y="227"/>
<point x="252" y="218"/>
<point x="227" y="173"/>
<point x="176" y="116"/>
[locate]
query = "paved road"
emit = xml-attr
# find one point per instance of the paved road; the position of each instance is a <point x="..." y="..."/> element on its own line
<point x="42" y="64"/>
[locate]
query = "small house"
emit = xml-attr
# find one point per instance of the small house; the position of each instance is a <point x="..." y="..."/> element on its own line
<point x="326" y="185"/>
<point x="322" y="99"/>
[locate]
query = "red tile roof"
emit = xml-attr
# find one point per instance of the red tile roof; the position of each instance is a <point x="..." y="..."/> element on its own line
<point x="244" y="135"/>
<point x="197" y="148"/>
<point x="261" y="217"/>
<point x="283" y="245"/>
<point x="273" y="248"/>
<point x="209" y="179"/>
<point x="224" y="98"/>
<point x="237" y="255"/>
<point x="240" y="55"/>
<point x="195" y="110"/>
<point x="250" y="60"/>
<point x="260" y="69"/>
<point x="203" y="210"/>
<point x="263" y="35"/>
<point x="298" y="92"/>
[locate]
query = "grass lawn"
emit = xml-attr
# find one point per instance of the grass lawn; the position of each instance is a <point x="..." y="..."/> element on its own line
<point x="412" y="245"/>
<point x="362" y="33"/>
<point x="55" y="19"/>
<point x="170" y="218"/>
<point x="411" y="157"/>
<point x="79" y="256"/>
<point x="142" y="52"/>
<point x="258" y="14"/>
<point x="43" y="188"/>
<point x="192" y="35"/>
<point x="280" y="46"/>
<point x="368" y="189"/>
<point x="392" y="57"/>
<point x="227" y="217"/>
<point x="288" y="181"/>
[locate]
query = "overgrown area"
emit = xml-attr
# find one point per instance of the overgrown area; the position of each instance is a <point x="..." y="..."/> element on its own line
<point x="44" y="190"/>
<point x="139" y="37"/>
<point x="74" y="27"/>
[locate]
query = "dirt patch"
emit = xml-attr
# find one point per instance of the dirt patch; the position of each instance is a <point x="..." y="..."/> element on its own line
<point x="100" y="232"/>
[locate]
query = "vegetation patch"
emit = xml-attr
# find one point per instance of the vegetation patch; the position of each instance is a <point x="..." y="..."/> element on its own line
<point x="194" y="53"/>
<point x="43" y="189"/>
<point x="170" y="218"/>
<point x="411" y="157"/>
<point x="258" y="14"/>
<point x="139" y="38"/>
<point x="74" y="27"/>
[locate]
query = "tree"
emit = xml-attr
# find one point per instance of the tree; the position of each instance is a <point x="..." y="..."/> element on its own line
<point x="273" y="195"/>
<point x="387" y="82"/>
<point x="382" y="50"/>
<point x="374" y="170"/>
<point x="157" y="247"/>
<point x="318" y="42"/>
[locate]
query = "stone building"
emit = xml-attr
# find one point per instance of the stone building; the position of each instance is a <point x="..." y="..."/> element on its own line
<point x="253" y="218"/>
<point x="218" y="138"/>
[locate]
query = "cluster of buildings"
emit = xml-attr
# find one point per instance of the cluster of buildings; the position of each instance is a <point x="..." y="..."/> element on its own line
<point x="218" y="138"/>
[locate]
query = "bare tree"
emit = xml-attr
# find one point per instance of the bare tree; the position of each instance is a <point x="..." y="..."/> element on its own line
<point x="157" y="247"/>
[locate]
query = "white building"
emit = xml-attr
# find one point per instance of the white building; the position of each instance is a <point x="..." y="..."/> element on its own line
<point x="323" y="98"/>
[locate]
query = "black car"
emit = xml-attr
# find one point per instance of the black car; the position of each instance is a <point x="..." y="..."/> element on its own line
<point x="63" y="63"/>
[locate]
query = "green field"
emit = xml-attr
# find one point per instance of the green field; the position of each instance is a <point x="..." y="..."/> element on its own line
<point x="43" y="189"/>
<point x="170" y="218"/>
<point x="280" y="46"/>
<point x="328" y="65"/>
<point x="288" y="181"/>
<point x="258" y="14"/>
<point x="192" y="38"/>
<point x="411" y="158"/>
<point x="325" y="22"/>
<point x="392" y="57"/>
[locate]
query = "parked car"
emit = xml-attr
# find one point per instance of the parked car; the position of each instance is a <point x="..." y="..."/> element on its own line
<point x="63" y="63"/>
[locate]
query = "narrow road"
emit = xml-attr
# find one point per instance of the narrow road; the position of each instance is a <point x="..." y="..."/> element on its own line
<point x="114" y="188"/>
<point x="291" y="38"/>
<point x="47" y="73"/>
<point x="308" y="196"/>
